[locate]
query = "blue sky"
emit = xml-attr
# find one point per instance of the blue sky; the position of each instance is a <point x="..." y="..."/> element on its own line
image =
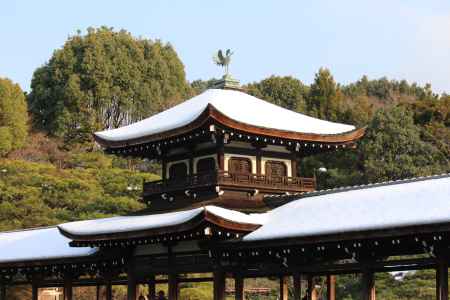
<point x="395" y="38"/>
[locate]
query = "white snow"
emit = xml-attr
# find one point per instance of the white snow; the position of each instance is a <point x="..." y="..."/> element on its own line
<point x="37" y="244"/>
<point x="146" y="222"/>
<point x="236" y="105"/>
<point x="129" y="223"/>
<point x="403" y="204"/>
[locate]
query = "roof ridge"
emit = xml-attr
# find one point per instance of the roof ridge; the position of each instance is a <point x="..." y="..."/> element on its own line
<point x="360" y="186"/>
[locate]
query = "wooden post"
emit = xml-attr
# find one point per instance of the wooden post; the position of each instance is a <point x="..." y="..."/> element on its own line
<point x="368" y="285"/>
<point x="34" y="292"/>
<point x="151" y="288"/>
<point x="68" y="293"/>
<point x="219" y="285"/>
<point x="309" y="291"/>
<point x="164" y="169"/>
<point x="284" y="289"/>
<point x="239" y="287"/>
<point x="297" y="279"/>
<point x="258" y="161"/>
<point x="97" y="292"/>
<point x="173" y="287"/>
<point x="442" y="280"/>
<point x="2" y="291"/>
<point x="331" y="287"/>
<point x="132" y="287"/>
<point x="108" y="290"/>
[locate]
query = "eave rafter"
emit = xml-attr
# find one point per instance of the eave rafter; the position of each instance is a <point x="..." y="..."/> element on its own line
<point x="212" y="121"/>
<point x="362" y="247"/>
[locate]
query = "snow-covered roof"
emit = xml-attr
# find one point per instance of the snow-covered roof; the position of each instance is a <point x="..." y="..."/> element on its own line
<point x="156" y="221"/>
<point x="374" y="207"/>
<point x="236" y="105"/>
<point x="37" y="244"/>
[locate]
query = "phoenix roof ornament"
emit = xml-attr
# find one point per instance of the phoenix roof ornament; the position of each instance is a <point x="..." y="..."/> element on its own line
<point x="222" y="59"/>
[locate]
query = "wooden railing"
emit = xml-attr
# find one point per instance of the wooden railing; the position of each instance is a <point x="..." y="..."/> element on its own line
<point x="280" y="183"/>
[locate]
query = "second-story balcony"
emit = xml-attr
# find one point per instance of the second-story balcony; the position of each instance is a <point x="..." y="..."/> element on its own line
<point x="269" y="184"/>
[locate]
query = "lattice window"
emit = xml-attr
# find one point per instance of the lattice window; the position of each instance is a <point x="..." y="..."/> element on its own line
<point x="240" y="165"/>
<point x="276" y="169"/>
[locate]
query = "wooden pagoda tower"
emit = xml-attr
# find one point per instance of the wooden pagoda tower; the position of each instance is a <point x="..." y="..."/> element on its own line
<point x="227" y="148"/>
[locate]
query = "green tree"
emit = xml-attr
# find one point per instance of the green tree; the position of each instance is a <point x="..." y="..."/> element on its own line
<point x="325" y="97"/>
<point x="393" y="148"/>
<point x="104" y="79"/>
<point x="13" y="116"/>
<point x="285" y="91"/>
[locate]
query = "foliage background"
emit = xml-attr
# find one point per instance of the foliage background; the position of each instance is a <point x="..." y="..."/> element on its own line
<point x="52" y="172"/>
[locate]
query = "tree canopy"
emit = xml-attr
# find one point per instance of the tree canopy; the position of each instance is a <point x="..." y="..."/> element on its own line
<point x="104" y="79"/>
<point x="13" y="116"/>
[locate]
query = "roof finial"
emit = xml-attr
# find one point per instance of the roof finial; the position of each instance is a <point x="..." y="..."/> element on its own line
<point x="223" y="60"/>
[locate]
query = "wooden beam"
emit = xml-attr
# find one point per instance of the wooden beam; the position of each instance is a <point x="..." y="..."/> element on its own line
<point x="368" y="285"/>
<point x="284" y="288"/>
<point x="331" y="287"/>
<point x="219" y="285"/>
<point x="173" y="287"/>
<point x="297" y="279"/>
<point x="442" y="279"/>
<point x="239" y="287"/>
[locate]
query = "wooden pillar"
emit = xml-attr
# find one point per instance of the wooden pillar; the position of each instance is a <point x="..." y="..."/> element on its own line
<point x="219" y="285"/>
<point x="297" y="280"/>
<point x="284" y="289"/>
<point x="97" y="292"/>
<point x="442" y="280"/>
<point x="294" y="166"/>
<point x="68" y="292"/>
<point x="132" y="286"/>
<point x="173" y="287"/>
<point x="151" y="288"/>
<point x="331" y="287"/>
<point x="258" y="161"/>
<point x="34" y="292"/>
<point x="220" y="158"/>
<point x="239" y="287"/>
<point x="2" y="291"/>
<point x="368" y="285"/>
<point x="309" y="291"/>
<point x="108" y="290"/>
<point x="164" y="169"/>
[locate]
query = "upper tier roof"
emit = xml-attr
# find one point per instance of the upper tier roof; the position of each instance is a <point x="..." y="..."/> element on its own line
<point x="235" y="105"/>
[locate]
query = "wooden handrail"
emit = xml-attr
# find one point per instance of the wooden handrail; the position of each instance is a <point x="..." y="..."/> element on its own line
<point x="234" y="179"/>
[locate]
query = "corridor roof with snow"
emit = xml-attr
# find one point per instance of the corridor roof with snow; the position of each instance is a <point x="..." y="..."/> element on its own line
<point x="420" y="201"/>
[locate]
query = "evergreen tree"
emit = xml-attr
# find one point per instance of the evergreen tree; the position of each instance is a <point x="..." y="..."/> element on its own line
<point x="104" y="79"/>
<point x="393" y="148"/>
<point x="325" y="97"/>
<point x="285" y="91"/>
<point x="13" y="116"/>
